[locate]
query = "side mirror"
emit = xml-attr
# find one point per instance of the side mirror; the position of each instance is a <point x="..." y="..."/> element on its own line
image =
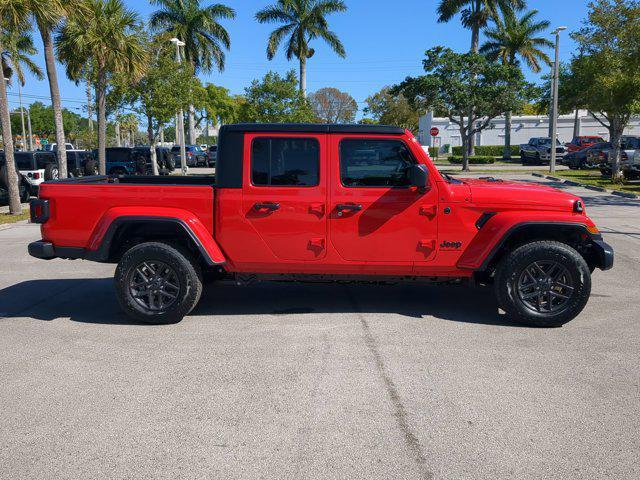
<point x="418" y="176"/>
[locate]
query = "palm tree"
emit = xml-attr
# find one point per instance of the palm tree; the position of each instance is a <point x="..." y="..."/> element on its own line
<point x="476" y="14"/>
<point x="15" y="56"/>
<point x="106" y="38"/>
<point x="516" y="38"/>
<point x="205" y="39"/>
<point x="13" y="18"/>
<point x="47" y="17"/>
<point x="303" y="21"/>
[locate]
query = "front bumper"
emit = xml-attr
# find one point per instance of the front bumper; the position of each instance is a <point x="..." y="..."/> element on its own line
<point x="604" y="254"/>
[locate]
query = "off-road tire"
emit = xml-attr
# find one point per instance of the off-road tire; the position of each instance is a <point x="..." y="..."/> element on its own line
<point x="513" y="266"/>
<point x="51" y="172"/>
<point x="186" y="268"/>
<point x="90" y="168"/>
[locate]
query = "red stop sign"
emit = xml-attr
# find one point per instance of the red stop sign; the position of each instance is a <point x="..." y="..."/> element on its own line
<point x="434" y="131"/>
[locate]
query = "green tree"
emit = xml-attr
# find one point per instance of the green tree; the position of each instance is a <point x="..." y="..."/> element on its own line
<point x="330" y="105"/>
<point x="389" y="108"/>
<point x="107" y="38"/>
<point x="302" y="21"/>
<point x="476" y="14"/>
<point x="462" y="83"/>
<point x="164" y="89"/>
<point x="514" y="39"/>
<point x="275" y="99"/>
<point x="608" y="46"/>
<point x="199" y="28"/>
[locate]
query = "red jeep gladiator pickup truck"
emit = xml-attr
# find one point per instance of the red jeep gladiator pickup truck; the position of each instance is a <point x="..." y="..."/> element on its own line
<point x="324" y="203"/>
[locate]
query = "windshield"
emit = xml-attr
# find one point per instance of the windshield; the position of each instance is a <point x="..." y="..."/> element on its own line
<point x="547" y="141"/>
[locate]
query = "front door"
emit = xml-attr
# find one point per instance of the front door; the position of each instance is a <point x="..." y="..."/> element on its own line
<point x="376" y="216"/>
<point x="285" y="193"/>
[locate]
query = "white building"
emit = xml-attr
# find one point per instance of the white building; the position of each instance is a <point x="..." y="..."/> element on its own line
<point x="523" y="127"/>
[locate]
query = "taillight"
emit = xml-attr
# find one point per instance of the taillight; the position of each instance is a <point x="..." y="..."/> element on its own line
<point x="39" y="210"/>
<point x="36" y="175"/>
<point x="602" y="156"/>
<point x="189" y="154"/>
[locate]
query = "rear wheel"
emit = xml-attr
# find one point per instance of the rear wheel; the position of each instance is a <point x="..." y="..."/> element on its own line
<point x="158" y="283"/>
<point x="543" y="284"/>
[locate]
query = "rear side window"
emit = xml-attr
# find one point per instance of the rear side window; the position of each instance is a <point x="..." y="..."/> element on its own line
<point x="374" y="163"/>
<point x="23" y="161"/>
<point x="285" y="162"/>
<point x="45" y="158"/>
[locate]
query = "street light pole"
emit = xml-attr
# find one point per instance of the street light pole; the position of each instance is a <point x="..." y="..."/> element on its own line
<point x="29" y="126"/>
<point x="180" y="125"/>
<point x="24" y="136"/>
<point x="554" y="108"/>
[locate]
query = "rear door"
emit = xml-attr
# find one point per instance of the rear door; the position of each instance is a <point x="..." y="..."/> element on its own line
<point x="376" y="216"/>
<point x="285" y="193"/>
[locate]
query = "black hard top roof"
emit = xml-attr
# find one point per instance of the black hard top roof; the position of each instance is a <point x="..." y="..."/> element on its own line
<point x="312" y="128"/>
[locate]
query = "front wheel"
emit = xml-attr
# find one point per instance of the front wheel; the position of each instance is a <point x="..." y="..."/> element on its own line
<point x="543" y="284"/>
<point x="158" y="283"/>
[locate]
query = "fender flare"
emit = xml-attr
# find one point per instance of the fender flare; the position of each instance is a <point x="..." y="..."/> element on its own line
<point x="100" y="242"/>
<point x="491" y="237"/>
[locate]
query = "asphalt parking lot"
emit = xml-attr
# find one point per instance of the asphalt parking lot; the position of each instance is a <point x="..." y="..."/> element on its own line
<point x="290" y="381"/>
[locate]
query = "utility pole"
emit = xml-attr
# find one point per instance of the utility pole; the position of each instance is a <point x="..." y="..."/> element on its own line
<point x="180" y="125"/>
<point x="554" y="95"/>
<point x="24" y="135"/>
<point x="29" y="126"/>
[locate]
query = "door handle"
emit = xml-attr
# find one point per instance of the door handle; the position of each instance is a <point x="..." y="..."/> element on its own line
<point x="266" y="206"/>
<point x="348" y="207"/>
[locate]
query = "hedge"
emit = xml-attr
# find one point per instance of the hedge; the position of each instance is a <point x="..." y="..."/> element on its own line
<point x="493" y="150"/>
<point x="475" y="160"/>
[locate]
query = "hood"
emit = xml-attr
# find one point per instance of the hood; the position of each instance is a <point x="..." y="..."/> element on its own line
<point x="522" y="194"/>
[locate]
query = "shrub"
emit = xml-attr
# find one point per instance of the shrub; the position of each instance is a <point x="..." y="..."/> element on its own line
<point x="489" y="150"/>
<point x="475" y="160"/>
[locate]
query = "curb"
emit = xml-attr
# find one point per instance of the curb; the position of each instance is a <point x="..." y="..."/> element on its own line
<point x="624" y="194"/>
<point x="588" y="187"/>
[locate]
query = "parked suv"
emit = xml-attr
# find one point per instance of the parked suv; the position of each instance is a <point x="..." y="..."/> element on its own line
<point x="164" y="157"/>
<point x="328" y="203"/>
<point x="37" y="167"/>
<point x="538" y="151"/>
<point x="196" y="157"/>
<point x="24" y="187"/>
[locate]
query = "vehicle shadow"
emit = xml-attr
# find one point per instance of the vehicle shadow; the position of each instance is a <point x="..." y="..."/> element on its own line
<point x="93" y="301"/>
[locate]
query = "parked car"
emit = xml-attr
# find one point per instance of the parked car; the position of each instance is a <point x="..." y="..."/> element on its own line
<point x="212" y="155"/>
<point x="196" y="157"/>
<point x="586" y="158"/>
<point x="24" y="187"/>
<point x="628" y="145"/>
<point x="538" y="151"/>
<point x="37" y="167"/>
<point x="582" y="142"/>
<point x="291" y="204"/>
<point x="631" y="169"/>
<point x="53" y="147"/>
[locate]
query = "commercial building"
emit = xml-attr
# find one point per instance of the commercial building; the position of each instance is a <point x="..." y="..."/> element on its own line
<point x="523" y="127"/>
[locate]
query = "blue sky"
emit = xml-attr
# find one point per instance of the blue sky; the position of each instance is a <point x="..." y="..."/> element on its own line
<point x="385" y="41"/>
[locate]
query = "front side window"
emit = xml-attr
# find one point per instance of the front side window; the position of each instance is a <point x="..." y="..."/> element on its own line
<point x="374" y="163"/>
<point x="285" y="162"/>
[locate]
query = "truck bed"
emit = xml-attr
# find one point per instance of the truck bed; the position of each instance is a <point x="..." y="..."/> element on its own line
<point x="82" y="207"/>
<point x="140" y="180"/>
